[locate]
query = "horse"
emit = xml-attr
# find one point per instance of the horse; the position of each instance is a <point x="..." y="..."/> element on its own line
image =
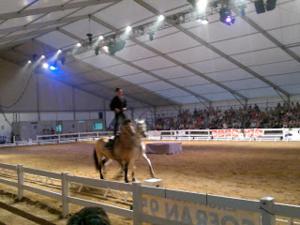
<point x="128" y="147"/>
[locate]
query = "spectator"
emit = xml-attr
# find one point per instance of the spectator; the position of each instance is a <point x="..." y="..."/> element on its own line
<point x="89" y="216"/>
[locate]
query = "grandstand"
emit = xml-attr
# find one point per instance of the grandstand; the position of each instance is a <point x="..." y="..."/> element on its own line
<point x="195" y="70"/>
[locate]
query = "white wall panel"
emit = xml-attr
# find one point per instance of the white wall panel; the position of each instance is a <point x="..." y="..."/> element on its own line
<point x="28" y="116"/>
<point x="55" y="15"/>
<point x="205" y="89"/>
<point x="82" y="27"/>
<point x="186" y="99"/>
<point x="213" y="65"/>
<point x="170" y="43"/>
<point x="13" y="81"/>
<point x="93" y="103"/>
<point x="278" y="68"/>
<point x="154" y="63"/>
<point x="172" y="93"/>
<point x="48" y="116"/>
<point x="163" y="6"/>
<point x="245" y="84"/>
<point x="121" y="70"/>
<point x="286" y="79"/>
<point x="13" y="5"/>
<point x="219" y="31"/>
<point x="282" y="15"/>
<point x="82" y="116"/>
<point x="18" y="21"/>
<point x="65" y="116"/>
<point x="292" y="89"/>
<point x="57" y="40"/>
<point x="287" y="35"/>
<point x="173" y="72"/>
<point x="219" y="96"/>
<point x="262" y="57"/>
<point x="195" y="54"/>
<point x="54" y="96"/>
<point x="158" y="85"/>
<point x="139" y="78"/>
<point x="135" y="52"/>
<point x="102" y="61"/>
<point x="259" y="93"/>
<point x="47" y="3"/>
<point x="228" y="75"/>
<point x="90" y="9"/>
<point x="125" y="13"/>
<point x="188" y="81"/>
<point x="244" y="44"/>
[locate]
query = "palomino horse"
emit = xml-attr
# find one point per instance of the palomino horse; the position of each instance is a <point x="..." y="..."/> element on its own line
<point x="128" y="147"/>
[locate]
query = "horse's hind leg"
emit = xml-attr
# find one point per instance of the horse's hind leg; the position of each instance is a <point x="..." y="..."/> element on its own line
<point x="98" y="163"/>
<point x="132" y="167"/>
<point x="149" y="165"/>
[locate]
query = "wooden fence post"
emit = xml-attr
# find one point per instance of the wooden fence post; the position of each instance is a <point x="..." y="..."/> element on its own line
<point x="267" y="210"/>
<point x="65" y="194"/>
<point x="20" y="174"/>
<point x="137" y="203"/>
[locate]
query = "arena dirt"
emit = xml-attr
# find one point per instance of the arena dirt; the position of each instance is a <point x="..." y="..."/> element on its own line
<point x="237" y="169"/>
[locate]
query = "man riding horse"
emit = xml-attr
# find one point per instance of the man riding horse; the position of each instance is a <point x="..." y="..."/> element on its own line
<point x="119" y="105"/>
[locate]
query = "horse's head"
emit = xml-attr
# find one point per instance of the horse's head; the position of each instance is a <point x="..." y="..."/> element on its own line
<point x="141" y="127"/>
<point x="127" y="128"/>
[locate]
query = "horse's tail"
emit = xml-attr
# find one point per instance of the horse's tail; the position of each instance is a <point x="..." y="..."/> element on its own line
<point x="97" y="165"/>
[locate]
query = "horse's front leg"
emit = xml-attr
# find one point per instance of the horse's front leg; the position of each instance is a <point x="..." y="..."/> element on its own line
<point x="149" y="165"/>
<point x="126" y="172"/>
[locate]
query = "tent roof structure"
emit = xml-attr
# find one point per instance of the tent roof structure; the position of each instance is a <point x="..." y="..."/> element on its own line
<point x="257" y="57"/>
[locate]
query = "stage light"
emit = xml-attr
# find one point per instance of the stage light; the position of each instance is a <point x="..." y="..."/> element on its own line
<point x="59" y="51"/>
<point x="42" y="56"/>
<point x="101" y="38"/>
<point x="259" y="6"/>
<point x="52" y="68"/>
<point x="128" y="29"/>
<point x="271" y="4"/>
<point x="97" y="49"/>
<point x="116" y="46"/>
<point x="90" y="38"/>
<point x="226" y="16"/>
<point x="105" y="49"/>
<point x="45" y="65"/>
<point x="78" y="45"/>
<point x="204" y="21"/>
<point x="29" y="62"/>
<point x="161" y="18"/>
<point x="151" y="36"/>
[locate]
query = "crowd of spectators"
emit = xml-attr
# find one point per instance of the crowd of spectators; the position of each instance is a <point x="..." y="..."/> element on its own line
<point x="282" y="116"/>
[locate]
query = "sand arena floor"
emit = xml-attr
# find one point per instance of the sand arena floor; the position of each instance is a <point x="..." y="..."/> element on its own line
<point x="236" y="169"/>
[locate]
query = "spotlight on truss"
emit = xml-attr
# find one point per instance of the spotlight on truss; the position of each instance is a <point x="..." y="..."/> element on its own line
<point x="226" y="16"/>
<point x="116" y="46"/>
<point x="90" y="38"/>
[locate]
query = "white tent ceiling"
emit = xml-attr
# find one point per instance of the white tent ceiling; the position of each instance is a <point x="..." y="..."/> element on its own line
<point x="258" y="56"/>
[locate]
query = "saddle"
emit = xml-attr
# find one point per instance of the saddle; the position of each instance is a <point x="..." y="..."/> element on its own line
<point x="111" y="143"/>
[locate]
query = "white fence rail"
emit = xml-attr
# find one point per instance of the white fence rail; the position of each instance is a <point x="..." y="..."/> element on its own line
<point x="256" y="134"/>
<point x="160" y="206"/>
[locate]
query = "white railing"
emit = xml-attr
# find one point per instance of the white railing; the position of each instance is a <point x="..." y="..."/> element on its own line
<point x="70" y="137"/>
<point x="256" y="134"/>
<point x="157" y="205"/>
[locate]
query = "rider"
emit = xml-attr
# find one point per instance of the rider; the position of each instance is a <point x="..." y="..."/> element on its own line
<point x="119" y="105"/>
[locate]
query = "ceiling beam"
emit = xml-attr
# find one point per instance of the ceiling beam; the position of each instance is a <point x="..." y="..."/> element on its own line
<point x="217" y="51"/>
<point x="49" y="9"/>
<point x="196" y="72"/>
<point x="39" y="25"/>
<point x="206" y="100"/>
<point x="271" y="38"/>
